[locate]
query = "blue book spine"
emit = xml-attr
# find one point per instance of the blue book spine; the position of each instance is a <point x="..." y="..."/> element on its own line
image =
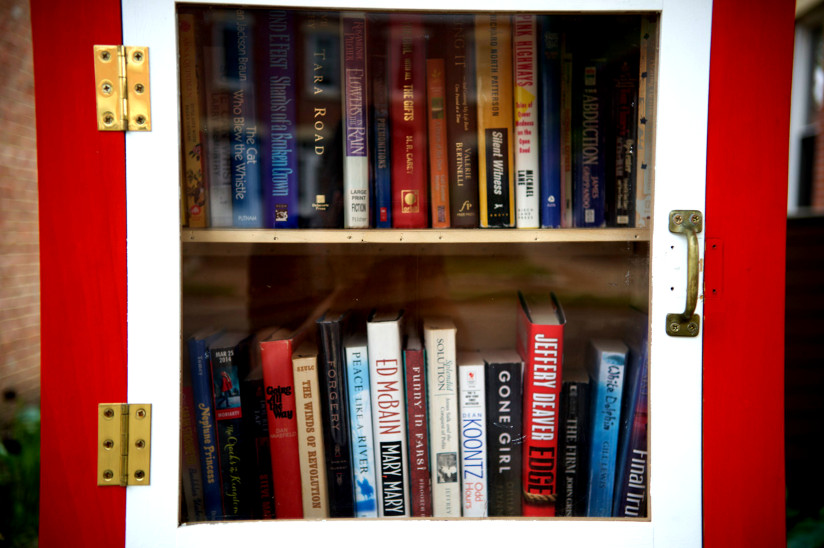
<point x="589" y="144"/>
<point x="199" y="361"/>
<point x="360" y="423"/>
<point x="549" y="108"/>
<point x="247" y="199"/>
<point x="379" y="130"/>
<point x="278" y="119"/>
<point x="608" y="361"/>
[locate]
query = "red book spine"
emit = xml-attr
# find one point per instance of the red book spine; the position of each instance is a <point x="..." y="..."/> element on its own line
<point x="276" y="358"/>
<point x="420" y="476"/>
<point x="541" y="348"/>
<point x="407" y="114"/>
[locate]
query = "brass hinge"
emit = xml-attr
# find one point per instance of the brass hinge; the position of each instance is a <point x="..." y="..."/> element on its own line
<point x="121" y="76"/>
<point x="124" y="443"/>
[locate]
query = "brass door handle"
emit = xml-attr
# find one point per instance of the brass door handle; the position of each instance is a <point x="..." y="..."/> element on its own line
<point x="689" y="223"/>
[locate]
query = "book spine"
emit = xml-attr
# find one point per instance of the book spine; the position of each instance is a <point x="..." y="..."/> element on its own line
<point x="407" y="116"/>
<point x="542" y="353"/>
<point x="589" y="142"/>
<point x="504" y="432"/>
<point x="379" y="125"/>
<point x="630" y="498"/>
<point x="462" y="121"/>
<point x="474" y="466"/>
<point x="572" y="477"/>
<point x="191" y="104"/>
<point x="621" y="198"/>
<point x="355" y="120"/>
<point x="606" y="389"/>
<point x="253" y="402"/>
<point x="493" y="48"/>
<point x="278" y="117"/>
<point x="311" y="449"/>
<point x="389" y="418"/>
<point x="360" y="423"/>
<point x="320" y="161"/>
<point x="191" y="471"/>
<point x="444" y="436"/>
<point x="278" y="378"/>
<point x="567" y="179"/>
<point x="527" y="123"/>
<point x="648" y="72"/>
<point x="416" y="413"/>
<point x="206" y="430"/>
<point x="438" y="166"/>
<point x="247" y="197"/>
<point x="335" y="421"/>
<point x="549" y="127"/>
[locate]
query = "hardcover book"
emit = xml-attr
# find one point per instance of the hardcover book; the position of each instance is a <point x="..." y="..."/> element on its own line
<point x="573" y="469"/>
<point x="439" y="338"/>
<point x="407" y="117"/>
<point x="278" y="118"/>
<point x="420" y="481"/>
<point x="229" y="356"/>
<point x="314" y="488"/>
<point x="472" y="405"/>
<point x="320" y="126"/>
<point x="527" y="122"/>
<point x="355" y="121"/>
<point x="381" y="173"/>
<point x="276" y="348"/>
<point x="567" y="179"/>
<point x="335" y="413"/>
<point x="549" y="128"/>
<point x="504" y="431"/>
<point x="438" y="165"/>
<point x="540" y="332"/>
<point x="493" y="43"/>
<point x="383" y="332"/>
<point x="606" y="363"/>
<point x="256" y="424"/>
<point x="360" y="423"/>
<point x="462" y="120"/>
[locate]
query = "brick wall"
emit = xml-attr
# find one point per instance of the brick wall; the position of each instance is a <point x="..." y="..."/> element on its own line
<point x="19" y="237"/>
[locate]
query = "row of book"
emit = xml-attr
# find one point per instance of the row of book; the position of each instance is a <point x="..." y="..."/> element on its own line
<point x="376" y="416"/>
<point x="324" y="119"/>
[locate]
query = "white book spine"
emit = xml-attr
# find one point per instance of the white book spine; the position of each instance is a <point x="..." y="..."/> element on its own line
<point x="355" y="120"/>
<point x="389" y="416"/>
<point x="525" y="71"/>
<point x="474" y="467"/>
<point x="360" y="424"/>
<point x="444" y="437"/>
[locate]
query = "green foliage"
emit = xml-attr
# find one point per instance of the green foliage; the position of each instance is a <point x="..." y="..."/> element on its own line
<point x="807" y="532"/>
<point x="20" y="479"/>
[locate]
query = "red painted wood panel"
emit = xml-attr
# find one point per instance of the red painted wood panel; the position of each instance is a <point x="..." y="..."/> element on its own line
<point x="748" y="140"/>
<point x="83" y="271"/>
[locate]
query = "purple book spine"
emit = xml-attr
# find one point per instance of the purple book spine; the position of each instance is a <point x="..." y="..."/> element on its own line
<point x="356" y="161"/>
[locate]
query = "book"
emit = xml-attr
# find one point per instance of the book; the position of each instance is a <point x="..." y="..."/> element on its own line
<point x="549" y="128"/>
<point x="320" y="139"/>
<point x="407" y="120"/>
<point x="229" y="355"/>
<point x="355" y="121"/>
<point x="381" y="173"/>
<point x="247" y="196"/>
<point x="335" y="413"/>
<point x="201" y="374"/>
<point x="540" y="342"/>
<point x="493" y="43"/>
<point x="191" y="473"/>
<point x="256" y="424"/>
<point x="573" y="471"/>
<point x="276" y="347"/>
<point x="462" y="119"/>
<point x="360" y="423"/>
<point x="632" y="464"/>
<point x="567" y="179"/>
<point x="645" y="149"/>
<point x="420" y="481"/>
<point x="504" y="431"/>
<point x="472" y="405"/>
<point x="606" y="363"/>
<point x="439" y="337"/>
<point x="311" y="449"/>
<point x="383" y="332"/>
<point x="438" y="165"/>
<point x="191" y="107"/>
<point x="528" y="124"/>
<point x="277" y="78"/>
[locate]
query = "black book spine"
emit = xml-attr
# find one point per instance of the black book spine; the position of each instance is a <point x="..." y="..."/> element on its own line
<point x="253" y="403"/>
<point x="574" y="448"/>
<point x="504" y="437"/>
<point x="334" y="405"/>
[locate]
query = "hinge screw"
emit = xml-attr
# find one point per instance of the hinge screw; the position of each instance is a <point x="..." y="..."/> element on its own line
<point x="105" y="56"/>
<point x="139" y="88"/>
<point x="141" y="120"/>
<point x="106" y="89"/>
<point x="108" y="413"/>
<point x="141" y="413"/>
<point x="108" y="444"/>
<point x="138" y="56"/>
<point x="108" y="475"/>
<point x="139" y="475"/>
<point x="140" y="444"/>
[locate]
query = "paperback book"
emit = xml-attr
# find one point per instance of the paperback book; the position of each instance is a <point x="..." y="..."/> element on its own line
<point x="573" y="469"/>
<point x="420" y="482"/>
